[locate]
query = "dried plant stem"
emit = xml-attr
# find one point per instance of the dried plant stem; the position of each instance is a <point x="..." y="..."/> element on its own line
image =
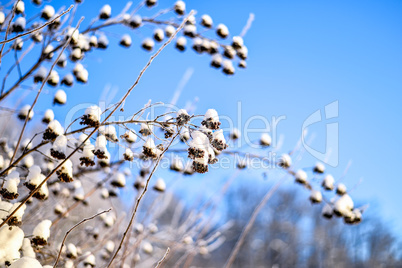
<point x="41" y="88"/>
<point x="140" y="198"/>
<point x="250" y="223"/>
<point x="8" y="27"/>
<point x="72" y="228"/>
<point x="163" y="258"/>
<point x="38" y="28"/>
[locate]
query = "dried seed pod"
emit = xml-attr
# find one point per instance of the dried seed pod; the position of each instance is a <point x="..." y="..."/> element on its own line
<point x="301" y="177"/>
<point x="10" y="187"/>
<point x="47" y="12"/>
<point x="237" y="42"/>
<point x="222" y="31"/>
<point x="285" y="161"/>
<point x="150" y="3"/>
<point x="41" y="233"/>
<point x="328" y="183"/>
<point x="130" y="136"/>
<point x="91" y="116"/>
<point x="206" y="21"/>
<point x="180" y="7"/>
<point x="216" y="60"/>
<point x="105" y="12"/>
<point x="148" y="44"/>
<point x="169" y="30"/>
<point x="159" y="35"/>
<point x="315" y="196"/>
<point x="211" y="119"/>
<point x="65" y="173"/>
<point x="341" y="189"/>
<point x="135" y="21"/>
<point x="40" y="75"/>
<point x="23" y="113"/>
<point x="125" y="40"/>
<point x="103" y="42"/>
<point x="19" y="25"/>
<point x="53" y="130"/>
<point x="190" y="30"/>
<point x="181" y="43"/>
<point x="319" y="168"/>
<point x="53" y="78"/>
<point x="242" y="64"/>
<point x="228" y="67"/>
<point x="60" y="97"/>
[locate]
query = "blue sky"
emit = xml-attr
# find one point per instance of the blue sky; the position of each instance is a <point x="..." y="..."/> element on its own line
<point x="303" y="55"/>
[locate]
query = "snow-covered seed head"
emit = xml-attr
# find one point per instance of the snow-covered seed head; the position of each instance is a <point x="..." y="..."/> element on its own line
<point x="93" y="41"/>
<point x="100" y="148"/>
<point x="219" y="141"/>
<point x="82" y="76"/>
<point x="2" y="17"/>
<point x="197" y="44"/>
<point x="177" y="165"/>
<point x="79" y="194"/>
<point x="181" y="43"/>
<point x="88" y="156"/>
<point x="125" y="40"/>
<point x="237" y="42"/>
<point x="216" y="60"/>
<point x="58" y="151"/>
<point x="190" y="30"/>
<point x="235" y="134"/>
<point x="76" y="54"/>
<point x="74" y="34"/>
<point x="129" y="136"/>
<point x="200" y="164"/>
<point x="42" y="193"/>
<point x="159" y="35"/>
<point x="265" y="139"/>
<point x="62" y="61"/>
<point x="242" y="53"/>
<point x="315" y="196"/>
<point x="206" y="21"/>
<point x="18" y="43"/>
<point x="285" y="161"/>
<point x="169" y="30"/>
<point x="188" y="169"/>
<point x="180" y="7"/>
<point x="23" y="113"/>
<point x="188" y="240"/>
<point x="149" y="149"/>
<point x="182" y="117"/>
<point x="37" y="37"/>
<point x="71" y="251"/>
<point x="128" y="155"/>
<point x="150" y="3"/>
<point x="68" y="80"/>
<point x="319" y="168"/>
<point x="20" y="7"/>
<point x="10" y="187"/>
<point x="328" y="182"/>
<point x="211" y="119"/>
<point x="222" y="31"/>
<point x="148" y="44"/>
<point x="65" y="173"/>
<point x="48" y="116"/>
<point x="160" y="185"/>
<point x="147" y="248"/>
<point x="301" y="176"/>
<point x="228" y="67"/>
<point x="34" y="178"/>
<point x="60" y="97"/>
<point x="19" y="25"/>
<point x="139" y="183"/>
<point x="341" y="189"/>
<point x="91" y="116"/>
<point x="343" y="206"/>
<point x="53" y="78"/>
<point x="59" y="209"/>
<point x="145" y="129"/>
<point x="104" y="162"/>
<point x="135" y="21"/>
<point x="103" y="42"/>
<point x="48" y="52"/>
<point x="119" y="180"/>
<point x="90" y="260"/>
<point x="152" y="228"/>
<point x="229" y="52"/>
<point x="28" y="161"/>
<point x="353" y="218"/>
<point x="242" y="64"/>
<point x="78" y="68"/>
<point x="184" y="134"/>
<point x="41" y="233"/>
<point x="110" y="133"/>
<point x="327" y="211"/>
<point x="47" y="12"/>
<point x="53" y="130"/>
<point x="139" y="228"/>
<point x="242" y="163"/>
<point x="105" y="12"/>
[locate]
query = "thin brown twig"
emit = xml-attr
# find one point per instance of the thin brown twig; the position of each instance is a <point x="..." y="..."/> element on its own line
<point x="72" y="228"/>
<point x="38" y="28"/>
<point x="8" y="27"/>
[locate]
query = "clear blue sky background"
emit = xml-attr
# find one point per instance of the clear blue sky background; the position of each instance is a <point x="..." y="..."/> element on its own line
<point x="303" y="55"/>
